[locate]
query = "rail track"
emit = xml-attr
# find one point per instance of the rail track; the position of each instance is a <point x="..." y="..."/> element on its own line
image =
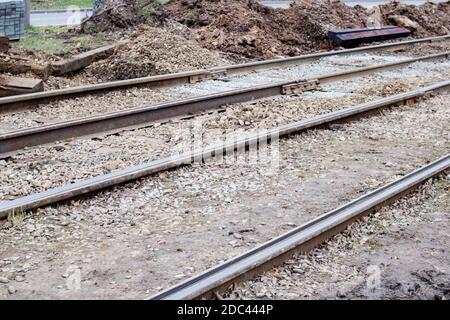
<point x="17" y="103"/>
<point x="99" y="183"/>
<point x="143" y="116"/>
<point x="208" y="284"/>
<point x="299" y="240"/>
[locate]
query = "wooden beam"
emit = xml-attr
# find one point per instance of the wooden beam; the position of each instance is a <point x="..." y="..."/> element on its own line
<point x="84" y="59"/>
<point x="10" y="86"/>
<point x="352" y="37"/>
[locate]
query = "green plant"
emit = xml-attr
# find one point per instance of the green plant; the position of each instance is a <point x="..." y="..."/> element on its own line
<point x="149" y="8"/>
<point x="189" y="19"/>
<point x="60" y="4"/>
<point x="16" y="219"/>
<point x="148" y="11"/>
<point x="59" y="41"/>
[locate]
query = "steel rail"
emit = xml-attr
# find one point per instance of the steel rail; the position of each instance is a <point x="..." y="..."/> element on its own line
<point x="15" y="103"/>
<point x="141" y="116"/>
<point x="258" y="65"/>
<point x="298" y="240"/>
<point x="112" y="179"/>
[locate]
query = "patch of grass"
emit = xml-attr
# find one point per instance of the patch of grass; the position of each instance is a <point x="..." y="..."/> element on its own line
<point x="17" y="218"/>
<point x="374" y="244"/>
<point x="149" y="11"/>
<point x="60" y="4"/>
<point x="441" y="196"/>
<point x="149" y="8"/>
<point x="58" y="41"/>
<point x="43" y="38"/>
<point x="189" y="19"/>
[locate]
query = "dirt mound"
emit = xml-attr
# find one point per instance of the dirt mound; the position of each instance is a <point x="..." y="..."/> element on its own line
<point x="425" y="20"/>
<point x="112" y="14"/>
<point x="121" y="14"/>
<point x="249" y="29"/>
<point x="154" y="51"/>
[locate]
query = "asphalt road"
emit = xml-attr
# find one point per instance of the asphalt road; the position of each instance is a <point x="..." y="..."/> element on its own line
<point x="71" y="17"/>
<point x="58" y="17"/>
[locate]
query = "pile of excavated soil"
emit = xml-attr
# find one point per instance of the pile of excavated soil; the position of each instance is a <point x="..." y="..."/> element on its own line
<point x="249" y="29"/>
<point x="154" y="51"/>
<point x="425" y="20"/>
<point x="121" y="14"/>
<point x="112" y="15"/>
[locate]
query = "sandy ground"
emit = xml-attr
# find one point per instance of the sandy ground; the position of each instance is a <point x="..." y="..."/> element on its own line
<point x="402" y="252"/>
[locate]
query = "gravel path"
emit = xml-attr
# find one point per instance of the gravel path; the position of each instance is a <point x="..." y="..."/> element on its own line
<point x="401" y="252"/>
<point x="139" y="238"/>
<point x="44" y="167"/>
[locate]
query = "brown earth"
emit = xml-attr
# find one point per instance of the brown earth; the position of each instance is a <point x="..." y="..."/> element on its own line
<point x="154" y="51"/>
<point x="245" y="28"/>
<point x="114" y="15"/>
<point x="31" y="55"/>
<point x="429" y="19"/>
<point x="249" y="29"/>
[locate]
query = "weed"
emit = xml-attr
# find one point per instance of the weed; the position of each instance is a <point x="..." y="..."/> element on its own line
<point x="17" y="218"/>
<point x="60" y="4"/>
<point x="57" y="40"/>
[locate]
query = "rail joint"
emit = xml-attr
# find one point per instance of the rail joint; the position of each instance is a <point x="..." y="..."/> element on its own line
<point x="299" y="87"/>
